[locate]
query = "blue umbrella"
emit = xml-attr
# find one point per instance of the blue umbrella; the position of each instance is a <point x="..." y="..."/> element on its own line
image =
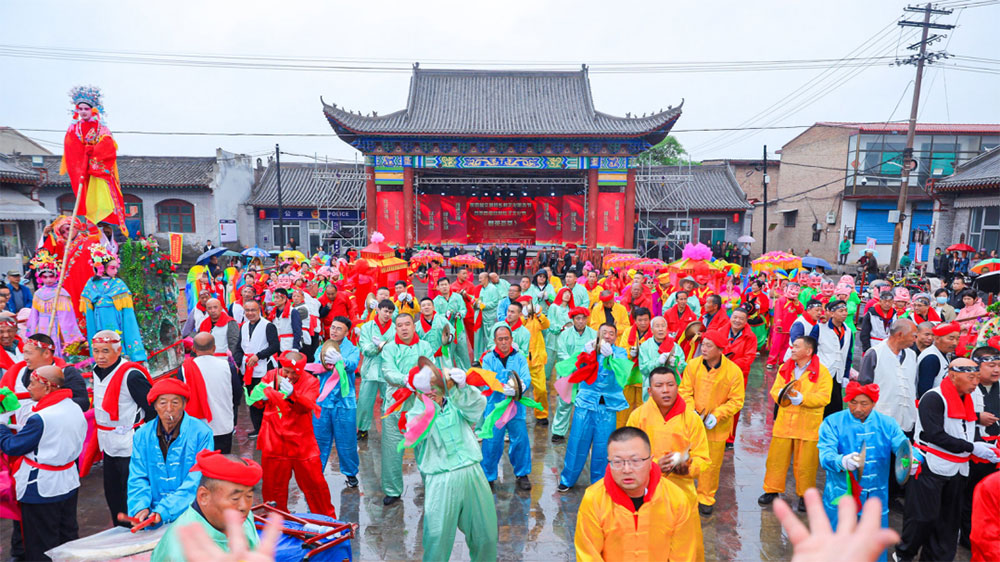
<point x="813" y="262"/>
<point x="255" y="252"/>
<point x="203" y="259"/>
<point x="862" y="250"/>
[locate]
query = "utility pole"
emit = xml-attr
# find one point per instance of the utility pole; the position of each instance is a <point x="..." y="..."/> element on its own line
<point x="908" y="162"/>
<point x="281" y="207"/>
<point x="765" y="181"/>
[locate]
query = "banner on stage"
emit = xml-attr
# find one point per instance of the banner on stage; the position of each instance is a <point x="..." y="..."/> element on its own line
<point x="429" y="225"/>
<point x="611" y="219"/>
<point x="548" y="220"/>
<point x="390" y="217"/>
<point x="454" y="213"/>
<point x="572" y="215"/>
<point x="498" y="220"/>
<point x="176" y="247"/>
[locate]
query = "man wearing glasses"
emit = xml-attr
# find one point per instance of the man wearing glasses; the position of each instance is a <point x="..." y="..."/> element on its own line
<point x="945" y="433"/>
<point x="633" y="513"/>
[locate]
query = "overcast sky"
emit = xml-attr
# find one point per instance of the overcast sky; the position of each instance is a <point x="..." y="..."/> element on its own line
<point x="186" y="99"/>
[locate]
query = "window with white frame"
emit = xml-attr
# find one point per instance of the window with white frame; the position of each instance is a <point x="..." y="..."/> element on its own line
<point x="984" y="228"/>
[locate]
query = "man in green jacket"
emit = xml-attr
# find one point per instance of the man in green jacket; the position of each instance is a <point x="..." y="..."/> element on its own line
<point x="398" y="357"/>
<point x="455" y="486"/>
<point x="372" y="338"/>
<point x="658" y="351"/>
<point x="571" y="343"/>
<point x="452" y="307"/>
<point x="486" y="303"/>
<point x="845" y="248"/>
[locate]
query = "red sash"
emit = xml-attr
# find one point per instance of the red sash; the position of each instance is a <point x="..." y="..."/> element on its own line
<point x="207" y="324"/>
<point x="114" y="390"/>
<point x="198" y="405"/>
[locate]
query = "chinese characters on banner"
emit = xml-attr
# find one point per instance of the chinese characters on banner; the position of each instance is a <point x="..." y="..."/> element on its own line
<point x="390" y="217"/>
<point x="429" y="226"/>
<point x="176" y="247"/>
<point x="610" y="219"/>
<point x="496" y="220"/>
<point x="454" y="211"/>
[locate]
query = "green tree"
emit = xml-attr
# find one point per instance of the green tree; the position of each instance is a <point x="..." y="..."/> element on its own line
<point x="667" y="152"/>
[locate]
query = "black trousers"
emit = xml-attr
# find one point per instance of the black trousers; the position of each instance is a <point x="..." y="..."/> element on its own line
<point x="256" y="414"/>
<point x="48" y="525"/>
<point x="895" y="490"/>
<point x="836" y="400"/>
<point x="224" y="443"/>
<point x="977" y="471"/>
<point x="931" y="519"/>
<point x="116" y="486"/>
<point x="519" y="267"/>
<point x="505" y="265"/>
<point x="310" y="350"/>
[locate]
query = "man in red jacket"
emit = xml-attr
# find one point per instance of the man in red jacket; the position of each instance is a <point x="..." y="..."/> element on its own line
<point x="713" y="317"/>
<point x="742" y="350"/>
<point x="985" y="536"/>
<point x="679" y="316"/>
<point x="287" y="441"/>
<point x="334" y="303"/>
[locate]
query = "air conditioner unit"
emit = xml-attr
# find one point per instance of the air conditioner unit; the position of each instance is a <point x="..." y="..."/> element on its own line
<point x="831" y="218"/>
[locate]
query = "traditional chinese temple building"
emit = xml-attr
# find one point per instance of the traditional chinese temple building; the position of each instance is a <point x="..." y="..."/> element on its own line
<point x="501" y="156"/>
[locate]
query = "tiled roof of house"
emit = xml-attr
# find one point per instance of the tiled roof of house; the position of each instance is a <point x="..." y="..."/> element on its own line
<point x="710" y="187"/>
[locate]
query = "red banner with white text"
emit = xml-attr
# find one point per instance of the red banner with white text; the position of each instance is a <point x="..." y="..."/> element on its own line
<point x="572" y="219"/>
<point x="429" y="225"/>
<point x="454" y="217"/>
<point x="610" y="219"/>
<point x="548" y="220"/>
<point x="389" y="210"/>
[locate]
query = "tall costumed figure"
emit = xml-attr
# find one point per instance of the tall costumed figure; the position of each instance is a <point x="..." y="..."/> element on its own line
<point x="107" y="304"/>
<point x="52" y="311"/>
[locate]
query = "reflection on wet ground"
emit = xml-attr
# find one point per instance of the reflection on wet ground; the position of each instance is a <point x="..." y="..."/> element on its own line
<point x="535" y="525"/>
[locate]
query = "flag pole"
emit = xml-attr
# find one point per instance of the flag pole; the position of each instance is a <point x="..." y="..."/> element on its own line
<point x="65" y="258"/>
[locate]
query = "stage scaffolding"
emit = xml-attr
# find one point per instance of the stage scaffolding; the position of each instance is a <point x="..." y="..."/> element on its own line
<point x="662" y="214"/>
<point x="341" y="188"/>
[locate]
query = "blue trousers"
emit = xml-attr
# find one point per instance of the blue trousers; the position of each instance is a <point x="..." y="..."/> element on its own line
<point x="590" y="431"/>
<point x="519" y="452"/>
<point x="338" y="425"/>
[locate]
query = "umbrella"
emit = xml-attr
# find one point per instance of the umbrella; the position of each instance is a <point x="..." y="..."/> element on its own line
<point x="746" y="239"/>
<point x="733" y="268"/>
<point x="986" y="266"/>
<point x="203" y="259"/>
<point x="861" y="251"/>
<point x="688" y="265"/>
<point x="650" y="265"/>
<point x="231" y="254"/>
<point x="776" y="260"/>
<point x="813" y="262"/>
<point x="255" y="252"/>
<point x="988" y="282"/>
<point x="620" y="260"/>
<point x="292" y="255"/>
<point x="467" y="260"/>
<point x="427" y="256"/>
<point x="960" y="248"/>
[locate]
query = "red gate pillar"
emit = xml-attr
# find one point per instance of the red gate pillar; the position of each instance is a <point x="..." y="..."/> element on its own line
<point x="591" y="217"/>
<point x="630" y="209"/>
<point x="408" y="205"/>
<point x="371" y="202"/>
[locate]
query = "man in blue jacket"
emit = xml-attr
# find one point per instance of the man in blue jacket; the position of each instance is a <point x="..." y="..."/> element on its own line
<point x="337" y="422"/>
<point x="161" y="485"/>
<point x="20" y="295"/>
<point x="507" y="363"/>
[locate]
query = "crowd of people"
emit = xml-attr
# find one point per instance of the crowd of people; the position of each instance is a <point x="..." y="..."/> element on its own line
<point x="640" y="375"/>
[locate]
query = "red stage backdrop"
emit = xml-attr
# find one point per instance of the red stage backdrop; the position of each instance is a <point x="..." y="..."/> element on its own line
<point x="610" y="219"/>
<point x="572" y="219"/>
<point x="496" y="220"/>
<point x="429" y="226"/>
<point x="548" y="219"/>
<point x="454" y="214"/>
<point x="389" y="210"/>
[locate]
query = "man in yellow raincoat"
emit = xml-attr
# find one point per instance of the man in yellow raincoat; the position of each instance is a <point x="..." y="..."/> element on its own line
<point x="633" y="513"/>
<point x="712" y="386"/>
<point x="536" y="323"/>
<point x="795" y="434"/>
<point x="607" y="311"/>
<point x="677" y="436"/>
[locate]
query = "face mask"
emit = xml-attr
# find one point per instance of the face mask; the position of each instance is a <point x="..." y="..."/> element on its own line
<point x="942" y="300"/>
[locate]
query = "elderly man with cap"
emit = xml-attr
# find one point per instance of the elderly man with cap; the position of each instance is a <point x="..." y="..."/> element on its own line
<point x="678" y="442"/>
<point x="20" y="295"/>
<point x="39" y="351"/>
<point x="456" y="493"/>
<point x="632" y="512"/>
<point x="571" y="342"/>
<point x="835" y="342"/>
<point x="223" y="328"/>
<point x="160" y="482"/>
<point x="120" y="406"/>
<point x="373" y="337"/>
<point x="597" y="401"/>
<point x="398" y="357"/>
<point x="658" y="350"/>
<point x="945" y="433"/>
<point x="932" y="363"/>
<point x="287" y="442"/>
<point x="855" y="449"/>
<point x="216" y="389"/>
<point x="877" y="321"/>
<point x="921" y="311"/>
<point x="49" y="438"/>
<point x="688" y="285"/>
<point x="226" y="483"/>
<point x="796" y="426"/>
<point x="987" y="399"/>
<point x="508" y="364"/>
<point x="337" y="422"/>
<point x="607" y="311"/>
<point x="712" y="386"/>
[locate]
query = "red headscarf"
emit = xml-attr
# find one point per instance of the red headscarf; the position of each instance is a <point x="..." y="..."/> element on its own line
<point x="853" y="389"/>
<point x="214" y="464"/>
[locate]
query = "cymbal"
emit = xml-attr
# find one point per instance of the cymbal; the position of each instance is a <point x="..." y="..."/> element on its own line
<point x="783" y="400"/>
<point x="438" y="379"/>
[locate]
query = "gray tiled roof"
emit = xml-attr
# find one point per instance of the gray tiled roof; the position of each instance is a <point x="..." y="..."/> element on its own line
<point x="146" y="171"/>
<point x="13" y="171"/>
<point x="300" y="188"/>
<point x="981" y="171"/>
<point x="712" y="187"/>
<point x="500" y="102"/>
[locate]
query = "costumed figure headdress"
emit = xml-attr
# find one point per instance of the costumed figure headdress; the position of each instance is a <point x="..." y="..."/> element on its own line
<point x="90" y="95"/>
<point x="100" y="257"/>
<point x="45" y="263"/>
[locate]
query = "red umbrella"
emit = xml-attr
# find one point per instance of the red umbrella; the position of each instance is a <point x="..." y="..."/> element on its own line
<point x="960" y="248"/>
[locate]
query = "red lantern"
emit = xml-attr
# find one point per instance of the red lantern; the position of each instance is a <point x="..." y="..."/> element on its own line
<point x="736" y="217"/>
<point x="261" y="214"/>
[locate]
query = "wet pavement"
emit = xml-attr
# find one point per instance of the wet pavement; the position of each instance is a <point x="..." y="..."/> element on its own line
<point x="535" y="525"/>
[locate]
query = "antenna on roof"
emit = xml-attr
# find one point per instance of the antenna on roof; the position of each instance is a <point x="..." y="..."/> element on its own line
<point x="416" y="65"/>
